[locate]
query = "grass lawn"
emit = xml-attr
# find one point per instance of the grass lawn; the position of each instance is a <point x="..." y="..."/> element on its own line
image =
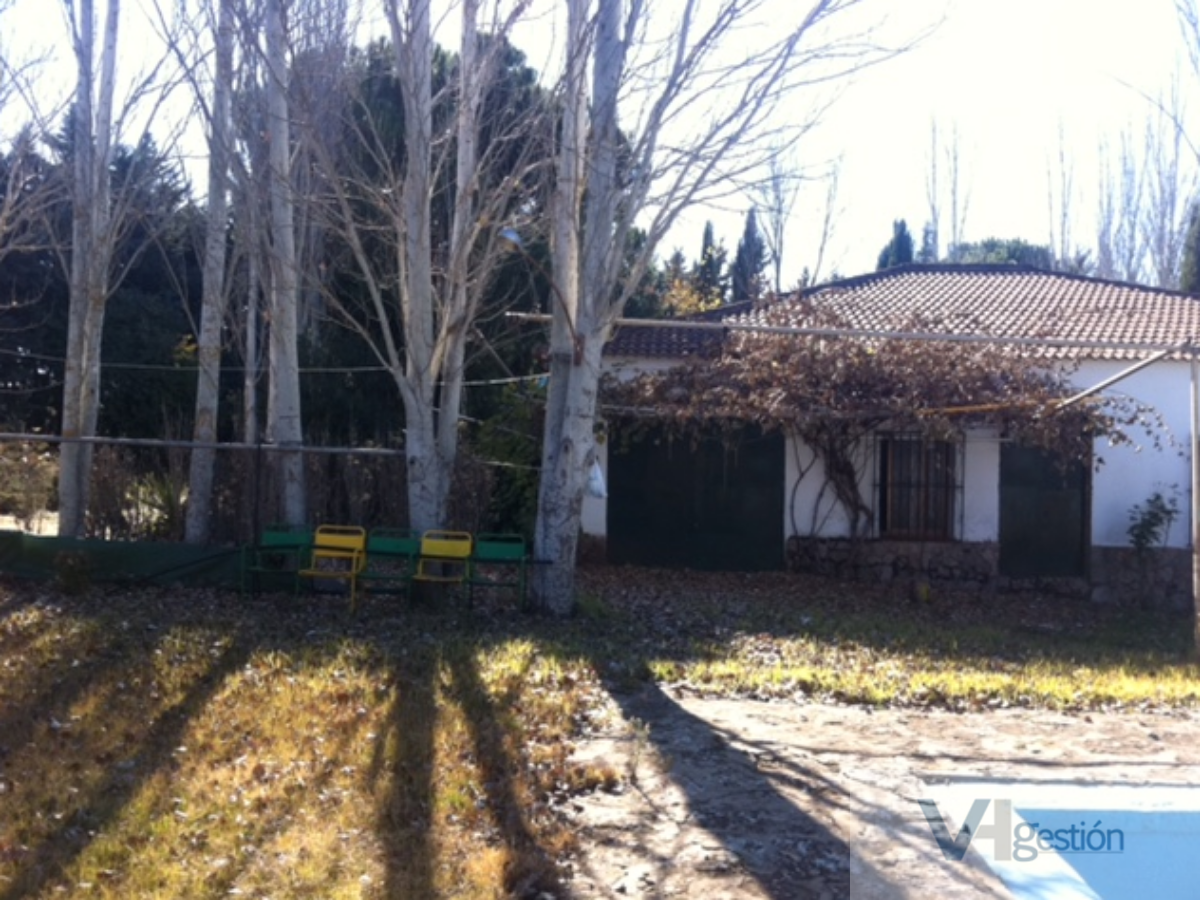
<point x="193" y="744"/>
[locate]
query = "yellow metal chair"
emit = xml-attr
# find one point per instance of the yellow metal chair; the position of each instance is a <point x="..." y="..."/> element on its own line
<point x="339" y="553"/>
<point x="445" y="557"/>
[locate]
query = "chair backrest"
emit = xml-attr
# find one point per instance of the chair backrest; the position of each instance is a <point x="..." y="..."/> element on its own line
<point x="284" y="536"/>
<point x="499" y="548"/>
<point x="446" y="544"/>
<point x="393" y="542"/>
<point x="347" y="539"/>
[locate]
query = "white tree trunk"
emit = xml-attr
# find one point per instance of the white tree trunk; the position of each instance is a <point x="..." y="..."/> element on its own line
<point x="567" y="439"/>
<point x="250" y="346"/>
<point x="283" y="402"/>
<point x="91" y="254"/>
<point x="428" y="476"/>
<point x="567" y="456"/>
<point x="437" y="343"/>
<point x="212" y="312"/>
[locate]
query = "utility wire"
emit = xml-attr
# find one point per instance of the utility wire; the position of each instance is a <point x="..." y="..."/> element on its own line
<point x="304" y="370"/>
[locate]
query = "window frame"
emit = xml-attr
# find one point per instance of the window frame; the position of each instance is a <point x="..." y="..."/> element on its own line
<point x="924" y="501"/>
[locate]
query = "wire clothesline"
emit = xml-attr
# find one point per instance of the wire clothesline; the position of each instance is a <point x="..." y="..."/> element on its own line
<point x="170" y="444"/>
<point x="304" y="370"/>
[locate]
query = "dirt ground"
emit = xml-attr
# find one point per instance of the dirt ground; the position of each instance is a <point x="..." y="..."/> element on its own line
<point x="790" y="801"/>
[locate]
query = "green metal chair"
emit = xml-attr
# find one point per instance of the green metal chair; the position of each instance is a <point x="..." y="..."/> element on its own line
<point x="391" y="559"/>
<point x="499" y="561"/>
<point x="277" y="556"/>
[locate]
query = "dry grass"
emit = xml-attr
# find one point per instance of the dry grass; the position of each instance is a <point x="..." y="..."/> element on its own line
<point x="192" y="744"/>
<point x="784" y="636"/>
<point x="156" y="745"/>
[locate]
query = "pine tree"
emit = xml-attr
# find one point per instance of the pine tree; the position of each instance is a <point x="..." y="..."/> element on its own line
<point x="748" y="264"/>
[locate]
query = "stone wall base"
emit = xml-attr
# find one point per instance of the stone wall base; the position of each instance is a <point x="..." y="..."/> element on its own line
<point x="1157" y="579"/>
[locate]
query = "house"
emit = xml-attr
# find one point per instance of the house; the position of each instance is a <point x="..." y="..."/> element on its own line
<point x="979" y="509"/>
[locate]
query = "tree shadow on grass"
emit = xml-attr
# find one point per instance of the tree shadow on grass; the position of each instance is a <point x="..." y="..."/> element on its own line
<point x="101" y="707"/>
<point x="401" y="774"/>
<point x="84" y="806"/>
<point x="100" y="691"/>
<point x="529" y="870"/>
<point x="430" y="664"/>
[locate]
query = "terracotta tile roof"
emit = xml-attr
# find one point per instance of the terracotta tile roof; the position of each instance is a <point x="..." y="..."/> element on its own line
<point x="1007" y="301"/>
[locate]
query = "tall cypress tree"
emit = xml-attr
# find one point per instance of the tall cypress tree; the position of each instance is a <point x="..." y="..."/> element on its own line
<point x="749" y="262"/>
<point x="710" y="278"/>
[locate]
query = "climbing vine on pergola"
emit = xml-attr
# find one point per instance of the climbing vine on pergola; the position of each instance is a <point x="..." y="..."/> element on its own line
<point x="833" y="392"/>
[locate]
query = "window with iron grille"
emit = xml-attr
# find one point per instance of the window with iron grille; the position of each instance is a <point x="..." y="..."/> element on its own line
<point x="918" y="482"/>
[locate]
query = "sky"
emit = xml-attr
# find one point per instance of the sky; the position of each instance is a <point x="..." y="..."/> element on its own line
<point x="1010" y="77"/>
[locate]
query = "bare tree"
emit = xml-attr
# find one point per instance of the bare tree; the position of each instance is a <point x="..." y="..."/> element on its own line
<point x="212" y="312"/>
<point x="423" y="216"/>
<point x="105" y="210"/>
<point x="830" y="212"/>
<point x="1120" y="247"/>
<point x="649" y="169"/>
<point x="933" y="196"/>
<point x="320" y="35"/>
<point x="26" y="193"/>
<point x="251" y="192"/>
<point x="1060" y="196"/>
<point x="284" y="426"/>
<point x="91" y="253"/>
<point x="1171" y="184"/>
<point x="947" y="191"/>
<point x="960" y="189"/>
<point x="776" y="197"/>
<point x="1188" y="12"/>
<point x="272" y="183"/>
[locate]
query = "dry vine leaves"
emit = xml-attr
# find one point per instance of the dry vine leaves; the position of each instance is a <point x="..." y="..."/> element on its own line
<point x="833" y="392"/>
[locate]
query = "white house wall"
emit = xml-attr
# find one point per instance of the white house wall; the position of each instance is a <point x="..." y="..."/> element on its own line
<point x="981" y="486"/>
<point x="1130" y="475"/>
<point x="809" y="506"/>
<point x="811" y="510"/>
